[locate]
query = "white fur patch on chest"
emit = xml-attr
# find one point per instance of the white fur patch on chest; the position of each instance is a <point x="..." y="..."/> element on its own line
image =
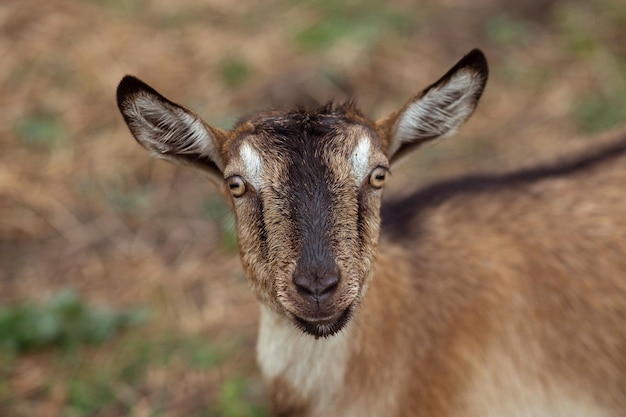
<point x="361" y="159"/>
<point x="315" y="368"/>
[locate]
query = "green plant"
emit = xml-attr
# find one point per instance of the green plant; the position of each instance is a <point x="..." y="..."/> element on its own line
<point x="505" y="30"/>
<point x="360" y="21"/>
<point x="87" y="395"/>
<point x="576" y="29"/>
<point x="234" y="401"/>
<point x="234" y="71"/>
<point x="63" y="321"/>
<point x="596" y="114"/>
<point x="41" y="131"/>
<point x="92" y="388"/>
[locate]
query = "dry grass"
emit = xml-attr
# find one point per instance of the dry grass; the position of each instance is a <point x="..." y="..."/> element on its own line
<point x="82" y="206"/>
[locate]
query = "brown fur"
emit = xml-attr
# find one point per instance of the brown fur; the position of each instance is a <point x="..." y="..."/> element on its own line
<point x="542" y="266"/>
<point x="285" y="401"/>
<point x="491" y="295"/>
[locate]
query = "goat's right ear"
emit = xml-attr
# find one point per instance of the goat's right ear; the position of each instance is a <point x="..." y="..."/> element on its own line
<point x="170" y="131"/>
<point x="438" y="110"/>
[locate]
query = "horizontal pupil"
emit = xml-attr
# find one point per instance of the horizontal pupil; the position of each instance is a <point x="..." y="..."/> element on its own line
<point x="233" y="186"/>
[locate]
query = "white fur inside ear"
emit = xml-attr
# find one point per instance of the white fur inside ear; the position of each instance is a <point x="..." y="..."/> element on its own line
<point x="168" y="131"/>
<point x="360" y="160"/>
<point x="441" y="111"/>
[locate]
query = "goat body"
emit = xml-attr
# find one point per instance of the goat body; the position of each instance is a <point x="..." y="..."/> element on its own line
<point x="499" y="295"/>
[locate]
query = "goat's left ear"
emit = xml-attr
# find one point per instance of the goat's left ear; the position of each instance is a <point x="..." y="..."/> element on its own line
<point x="437" y="111"/>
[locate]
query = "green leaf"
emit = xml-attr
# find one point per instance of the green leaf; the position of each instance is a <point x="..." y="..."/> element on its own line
<point x="44" y="131"/>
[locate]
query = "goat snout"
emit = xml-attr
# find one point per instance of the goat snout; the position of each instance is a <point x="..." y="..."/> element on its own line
<point x="317" y="287"/>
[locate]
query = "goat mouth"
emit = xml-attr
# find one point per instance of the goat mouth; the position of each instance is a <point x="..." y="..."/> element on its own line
<point x="324" y="327"/>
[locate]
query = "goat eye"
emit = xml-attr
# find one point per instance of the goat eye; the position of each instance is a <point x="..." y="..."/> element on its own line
<point x="377" y="177"/>
<point x="236" y="185"/>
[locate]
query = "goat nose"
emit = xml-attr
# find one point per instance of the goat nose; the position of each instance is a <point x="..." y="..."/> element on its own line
<point x="316" y="288"/>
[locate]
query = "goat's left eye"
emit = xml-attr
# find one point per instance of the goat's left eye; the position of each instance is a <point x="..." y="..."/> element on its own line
<point x="377" y="177"/>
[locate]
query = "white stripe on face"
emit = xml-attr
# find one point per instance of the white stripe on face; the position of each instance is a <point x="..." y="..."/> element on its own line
<point x="253" y="165"/>
<point x="360" y="160"/>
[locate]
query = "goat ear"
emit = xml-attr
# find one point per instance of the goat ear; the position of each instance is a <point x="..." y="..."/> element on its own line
<point x="437" y="111"/>
<point x="170" y="131"/>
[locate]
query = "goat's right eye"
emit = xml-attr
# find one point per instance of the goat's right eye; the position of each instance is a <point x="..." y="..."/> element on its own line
<point x="377" y="177"/>
<point x="237" y="186"/>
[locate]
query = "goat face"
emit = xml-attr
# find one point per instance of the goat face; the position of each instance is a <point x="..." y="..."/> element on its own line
<point x="305" y="186"/>
<point x="306" y="191"/>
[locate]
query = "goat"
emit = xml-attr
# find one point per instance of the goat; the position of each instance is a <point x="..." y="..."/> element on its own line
<point x="494" y="295"/>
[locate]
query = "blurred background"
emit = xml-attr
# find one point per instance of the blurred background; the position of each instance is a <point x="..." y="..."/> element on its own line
<point x="120" y="288"/>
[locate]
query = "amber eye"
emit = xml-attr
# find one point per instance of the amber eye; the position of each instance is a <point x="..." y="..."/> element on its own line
<point x="377" y="177"/>
<point x="236" y="185"/>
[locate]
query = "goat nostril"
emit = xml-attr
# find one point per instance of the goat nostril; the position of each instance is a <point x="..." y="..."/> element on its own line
<point x="328" y="284"/>
<point x="316" y="288"/>
<point x="303" y="285"/>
